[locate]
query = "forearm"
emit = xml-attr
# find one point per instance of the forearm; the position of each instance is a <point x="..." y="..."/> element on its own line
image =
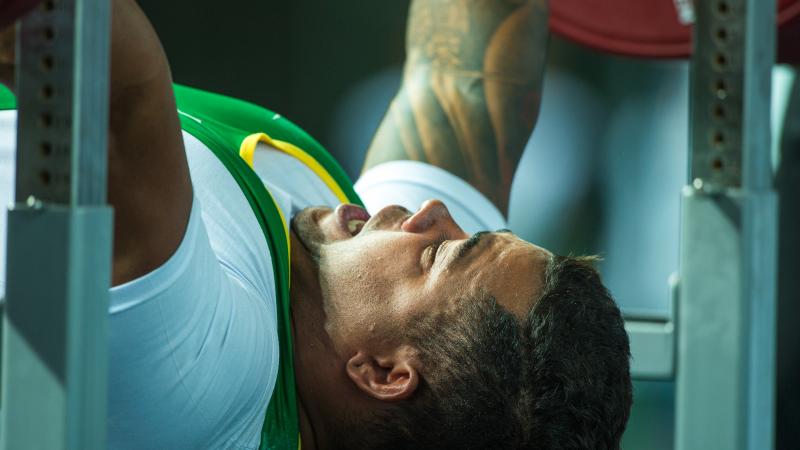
<point x="470" y="92"/>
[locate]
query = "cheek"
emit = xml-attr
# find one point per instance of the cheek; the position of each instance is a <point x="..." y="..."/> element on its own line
<point x="361" y="278"/>
<point x="376" y="258"/>
<point x="351" y="281"/>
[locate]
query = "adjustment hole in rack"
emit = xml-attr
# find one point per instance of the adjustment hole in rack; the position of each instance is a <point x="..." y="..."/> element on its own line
<point x="46" y="148"/>
<point x="47" y="91"/>
<point x="47" y="120"/>
<point x="718" y="139"/>
<point x="722" y="34"/>
<point x="49" y="5"/>
<point x="718" y="111"/>
<point x="49" y="33"/>
<point x="720" y="60"/>
<point x="45" y="177"/>
<point x="717" y="164"/>
<point x="723" y="8"/>
<point x="48" y="62"/>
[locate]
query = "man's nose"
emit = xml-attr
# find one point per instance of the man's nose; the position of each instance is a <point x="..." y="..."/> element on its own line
<point x="432" y="214"/>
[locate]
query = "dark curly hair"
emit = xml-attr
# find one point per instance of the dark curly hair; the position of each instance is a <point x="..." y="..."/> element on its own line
<point x="559" y="379"/>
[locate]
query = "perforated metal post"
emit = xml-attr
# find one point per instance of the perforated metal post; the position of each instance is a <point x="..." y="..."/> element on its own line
<point x="59" y="233"/>
<point x="726" y="321"/>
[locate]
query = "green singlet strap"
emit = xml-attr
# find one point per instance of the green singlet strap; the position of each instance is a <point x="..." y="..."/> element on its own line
<point x="231" y="128"/>
<point x="281" y="428"/>
<point x="7" y="98"/>
<point x="244" y="119"/>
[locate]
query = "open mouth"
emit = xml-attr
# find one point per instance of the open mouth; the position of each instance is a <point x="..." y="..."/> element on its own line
<point x="351" y="218"/>
<point x="319" y="225"/>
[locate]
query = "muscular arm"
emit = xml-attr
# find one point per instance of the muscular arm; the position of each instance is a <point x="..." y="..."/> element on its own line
<point x="149" y="183"/>
<point x="471" y="90"/>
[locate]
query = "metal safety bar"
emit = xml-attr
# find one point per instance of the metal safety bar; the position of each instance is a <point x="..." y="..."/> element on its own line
<point x="652" y="340"/>
<point x="59" y="233"/>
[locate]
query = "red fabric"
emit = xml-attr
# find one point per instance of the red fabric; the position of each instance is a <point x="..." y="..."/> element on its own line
<point x="11" y="10"/>
<point x="650" y="28"/>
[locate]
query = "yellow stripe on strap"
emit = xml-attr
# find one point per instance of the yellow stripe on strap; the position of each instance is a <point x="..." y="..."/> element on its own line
<point x="246" y="152"/>
<point x="248" y="149"/>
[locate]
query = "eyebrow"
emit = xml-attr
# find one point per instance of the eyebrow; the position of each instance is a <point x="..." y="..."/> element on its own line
<point x="473" y="242"/>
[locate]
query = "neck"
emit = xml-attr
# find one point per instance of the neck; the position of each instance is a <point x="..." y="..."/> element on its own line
<point x="299" y="314"/>
<point x="311" y="427"/>
<point x="307" y="438"/>
<point x="306" y="317"/>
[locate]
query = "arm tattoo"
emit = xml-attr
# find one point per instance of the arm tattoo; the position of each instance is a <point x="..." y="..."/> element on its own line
<point x="471" y="90"/>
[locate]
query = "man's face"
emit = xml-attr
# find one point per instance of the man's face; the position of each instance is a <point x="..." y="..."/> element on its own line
<point x="378" y="272"/>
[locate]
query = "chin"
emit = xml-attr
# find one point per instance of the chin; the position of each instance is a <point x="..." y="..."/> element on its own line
<point x="306" y="226"/>
<point x="305" y="291"/>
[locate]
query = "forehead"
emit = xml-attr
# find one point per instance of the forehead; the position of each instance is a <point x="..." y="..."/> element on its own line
<point x="516" y="273"/>
<point x="509" y="269"/>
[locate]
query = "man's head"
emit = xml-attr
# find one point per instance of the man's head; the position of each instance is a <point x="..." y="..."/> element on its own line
<point x="416" y="334"/>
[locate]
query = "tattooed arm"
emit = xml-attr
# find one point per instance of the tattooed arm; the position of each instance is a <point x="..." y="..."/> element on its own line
<point x="470" y="92"/>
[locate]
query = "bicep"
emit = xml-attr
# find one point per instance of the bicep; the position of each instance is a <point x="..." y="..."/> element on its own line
<point x="149" y="184"/>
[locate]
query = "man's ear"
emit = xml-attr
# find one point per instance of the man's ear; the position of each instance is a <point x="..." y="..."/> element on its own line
<point x="391" y="377"/>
